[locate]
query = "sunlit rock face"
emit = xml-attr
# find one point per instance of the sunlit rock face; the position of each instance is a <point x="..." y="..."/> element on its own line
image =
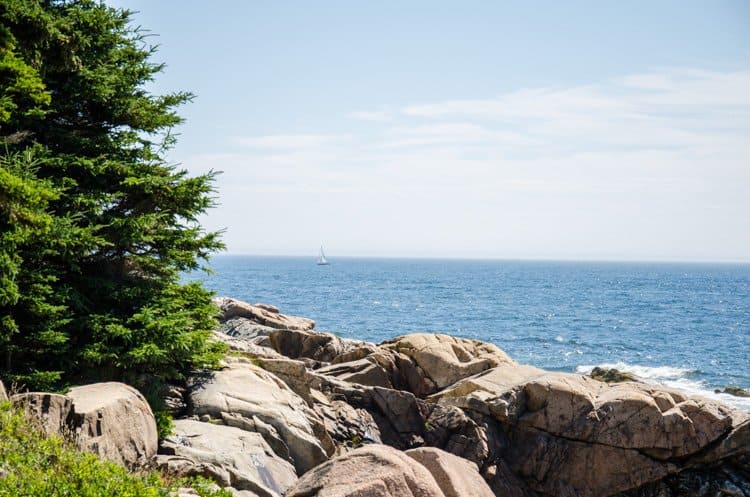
<point x="111" y="420"/>
<point x="231" y="456"/>
<point x="374" y="470"/>
<point x="293" y="412"/>
<point x="529" y="432"/>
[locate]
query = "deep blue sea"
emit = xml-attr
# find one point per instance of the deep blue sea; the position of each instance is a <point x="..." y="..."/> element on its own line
<point x="684" y="325"/>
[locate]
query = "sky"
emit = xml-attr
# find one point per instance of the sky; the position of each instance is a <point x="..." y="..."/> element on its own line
<point x="521" y="130"/>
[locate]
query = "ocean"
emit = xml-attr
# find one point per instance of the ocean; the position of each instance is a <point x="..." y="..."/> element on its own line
<point x="682" y="325"/>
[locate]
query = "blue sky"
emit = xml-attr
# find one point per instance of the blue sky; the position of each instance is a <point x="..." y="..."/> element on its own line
<point x="575" y="130"/>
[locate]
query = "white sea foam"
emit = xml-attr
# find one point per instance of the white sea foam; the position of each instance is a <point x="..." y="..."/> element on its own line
<point x="646" y="372"/>
<point x="673" y="377"/>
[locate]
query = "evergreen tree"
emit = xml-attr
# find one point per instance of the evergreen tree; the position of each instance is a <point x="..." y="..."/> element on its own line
<point x="114" y="224"/>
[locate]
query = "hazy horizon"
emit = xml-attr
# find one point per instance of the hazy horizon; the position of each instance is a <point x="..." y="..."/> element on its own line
<point x="580" y="131"/>
<point x="332" y="258"/>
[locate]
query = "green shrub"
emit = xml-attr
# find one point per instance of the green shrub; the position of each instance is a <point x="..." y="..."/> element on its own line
<point x="41" y="466"/>
<point x="164" y="423"/>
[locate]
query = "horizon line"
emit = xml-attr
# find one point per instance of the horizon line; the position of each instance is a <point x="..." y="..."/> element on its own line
<point x="497" y="258"/>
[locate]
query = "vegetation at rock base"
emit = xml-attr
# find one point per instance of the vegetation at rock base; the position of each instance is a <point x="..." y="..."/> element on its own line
<point x="96" y="225"/>
<point x="611" y="375"/>
<point x="36" y="465"/>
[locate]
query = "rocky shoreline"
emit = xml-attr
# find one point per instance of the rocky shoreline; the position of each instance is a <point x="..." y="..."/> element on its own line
<point x="300" y="413"/>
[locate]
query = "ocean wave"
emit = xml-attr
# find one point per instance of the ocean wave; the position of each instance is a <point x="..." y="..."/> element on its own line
<point x="673" y="377"/>
<point x="646" y="372"/>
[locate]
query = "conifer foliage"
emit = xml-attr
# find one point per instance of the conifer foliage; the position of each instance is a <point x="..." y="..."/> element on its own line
<point x="96" y="225"/>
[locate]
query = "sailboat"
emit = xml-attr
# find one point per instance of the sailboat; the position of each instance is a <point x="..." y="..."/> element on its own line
<point x="322" y="261"/>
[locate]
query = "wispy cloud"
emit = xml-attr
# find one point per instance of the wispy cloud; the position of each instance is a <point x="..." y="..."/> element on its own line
<point x="630" y="96"/>
<point x="676" y="108"/>
<point x="653" y="154"/>
<point x="677" y="116"/>
<point x="452" y="133"/>
<point x="377" y="115"/>
<point x="611" y="135"/>
<point x="290" y="141"/>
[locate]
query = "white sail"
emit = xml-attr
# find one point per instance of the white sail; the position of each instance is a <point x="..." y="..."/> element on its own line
<point x="322" y="261"/>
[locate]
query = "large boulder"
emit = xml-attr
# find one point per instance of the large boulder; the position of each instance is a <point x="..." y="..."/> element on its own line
<point x="455" y="476"/>
<point x="637" y="416"/>
<point x="230" y="456"/>
<point x="371" y="471"/>
<point x="243" y="393"/>
<point x="111" y="420"/>
<point x="114" y="421"/>
<point x="570" y="435"/>
<point x="446" y="359"/>
<point x="262" y="314"/>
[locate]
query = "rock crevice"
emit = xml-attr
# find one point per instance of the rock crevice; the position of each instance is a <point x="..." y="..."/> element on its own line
<point x="299" y="413"/>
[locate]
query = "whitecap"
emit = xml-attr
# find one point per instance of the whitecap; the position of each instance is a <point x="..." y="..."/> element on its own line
<point x="673" y="377"/>
<point x="699" y="388"/>
<point x="646" y="372"/>
<point x="558" y="338"/>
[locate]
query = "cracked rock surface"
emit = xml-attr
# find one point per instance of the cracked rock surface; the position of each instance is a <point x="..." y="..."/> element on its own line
<point x="526" y="431"/>
<point x="295" y="413"/>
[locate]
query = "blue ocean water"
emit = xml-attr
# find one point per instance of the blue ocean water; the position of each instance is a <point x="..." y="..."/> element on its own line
<point x="684" y="325"/>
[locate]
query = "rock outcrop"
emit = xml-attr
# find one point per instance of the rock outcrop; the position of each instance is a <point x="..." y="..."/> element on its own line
<point x="453" y="430"/>
<point x="245" y="396"/>
<point x="295" y="413"/>
<point x="112" y="420"/>
<point x="261" y="314"/>
<point x="372" y="471"/>
<point x="455" y="476"/>
<point x="230" y="456"/>
<point x="3" y="393"/>
<point x="446" y="359"/>
<point x="568" y="434"/>
<point x="323" y="347"/>
<point x="529" y="432"/>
